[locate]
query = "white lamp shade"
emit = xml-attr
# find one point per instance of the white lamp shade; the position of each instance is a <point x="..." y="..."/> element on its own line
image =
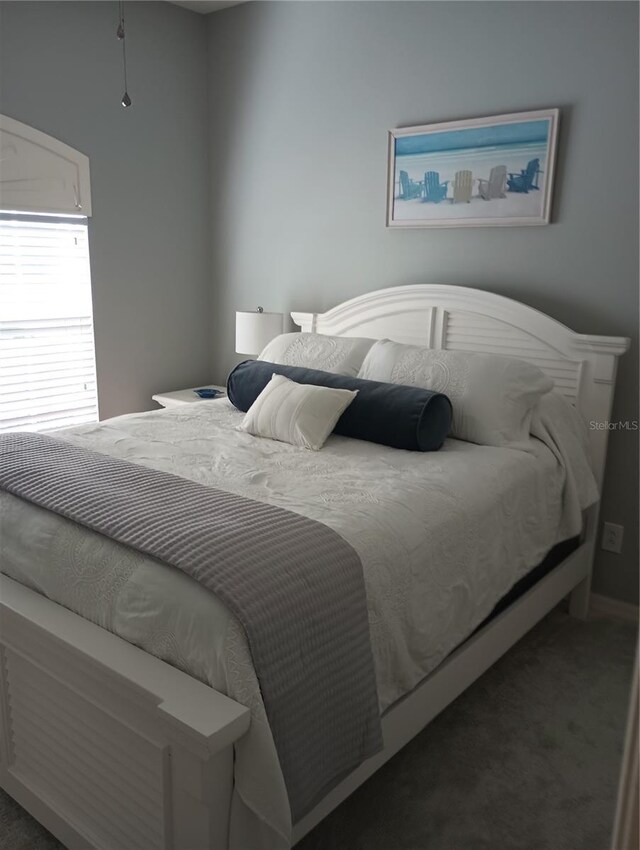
<point x="254" y="330"/>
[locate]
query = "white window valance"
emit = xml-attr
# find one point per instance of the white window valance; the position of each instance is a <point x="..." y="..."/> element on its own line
<point x="41" y="174"/>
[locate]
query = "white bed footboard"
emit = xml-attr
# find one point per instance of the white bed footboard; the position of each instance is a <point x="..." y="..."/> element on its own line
<point x="108" y="746"/>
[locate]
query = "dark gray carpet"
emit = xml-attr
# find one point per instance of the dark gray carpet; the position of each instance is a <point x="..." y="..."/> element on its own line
<point x="527" y="759"/>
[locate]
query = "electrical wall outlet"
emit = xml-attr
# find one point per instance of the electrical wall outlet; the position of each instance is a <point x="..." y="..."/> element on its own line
<point x="612" y="537"/>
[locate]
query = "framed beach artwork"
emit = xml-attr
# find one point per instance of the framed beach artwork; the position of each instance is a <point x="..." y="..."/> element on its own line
<point x="473" y="173"/>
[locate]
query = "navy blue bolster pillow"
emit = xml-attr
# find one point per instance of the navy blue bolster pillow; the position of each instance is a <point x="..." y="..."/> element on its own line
<point x="391" y="414"/>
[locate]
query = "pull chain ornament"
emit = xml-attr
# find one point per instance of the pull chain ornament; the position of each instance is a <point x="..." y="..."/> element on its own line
<point x="121" y="36"/>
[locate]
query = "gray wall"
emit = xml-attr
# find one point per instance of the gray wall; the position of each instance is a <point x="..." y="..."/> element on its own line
<point x="302" y="96"/>
<point x="61" y="72"/>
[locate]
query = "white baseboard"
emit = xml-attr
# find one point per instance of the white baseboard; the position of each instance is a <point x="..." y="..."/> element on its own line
<point x="613" y="607"/>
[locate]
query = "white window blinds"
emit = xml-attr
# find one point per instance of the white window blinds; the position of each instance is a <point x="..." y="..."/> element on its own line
<point x="47" y="360"/>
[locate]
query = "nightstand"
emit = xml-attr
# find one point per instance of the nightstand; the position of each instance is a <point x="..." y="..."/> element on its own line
<point x="186" y="396"/>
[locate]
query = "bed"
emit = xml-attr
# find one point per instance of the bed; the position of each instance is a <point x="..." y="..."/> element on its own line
<point x="131" y="750"/>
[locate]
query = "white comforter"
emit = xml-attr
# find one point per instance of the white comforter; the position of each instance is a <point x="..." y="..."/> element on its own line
<point x="442" y="536"/>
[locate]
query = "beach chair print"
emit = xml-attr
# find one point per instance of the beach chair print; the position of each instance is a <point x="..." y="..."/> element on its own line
<point x="493" y="187"/>
<point x="409" y="188"/>
<point x="462" y="187"/>
<point x="434" y="190"/>
<point x="527" y="179"/>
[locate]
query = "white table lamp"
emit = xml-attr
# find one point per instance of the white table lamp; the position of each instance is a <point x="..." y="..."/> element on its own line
<point x="255" y="329"/>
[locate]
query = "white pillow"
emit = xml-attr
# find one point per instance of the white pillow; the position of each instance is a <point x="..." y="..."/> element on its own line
<point x="340" y="354"/>
<point x="492" y="397"/>
<point x="300" y="414"/>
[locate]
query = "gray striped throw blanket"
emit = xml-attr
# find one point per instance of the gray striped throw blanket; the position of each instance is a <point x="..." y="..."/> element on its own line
<point x="294" y="584"/>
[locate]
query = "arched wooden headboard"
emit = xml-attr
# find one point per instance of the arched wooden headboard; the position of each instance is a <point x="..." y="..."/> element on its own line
<point x="582" y="366"/>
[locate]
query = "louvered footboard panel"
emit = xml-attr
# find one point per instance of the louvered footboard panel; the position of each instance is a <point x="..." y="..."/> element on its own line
<point x="73" y="753"/>
<point x="106" y="746"/>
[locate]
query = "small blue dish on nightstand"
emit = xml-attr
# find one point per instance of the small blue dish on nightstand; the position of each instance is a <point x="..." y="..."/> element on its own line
<point x="208" y="392"/>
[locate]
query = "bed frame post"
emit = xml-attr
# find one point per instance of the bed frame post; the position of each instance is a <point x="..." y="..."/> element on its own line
<point x="579" y="599"/>
<point x="595" y="402"/>
<point x="201" y="794"/>
<point x="580" y="596"/>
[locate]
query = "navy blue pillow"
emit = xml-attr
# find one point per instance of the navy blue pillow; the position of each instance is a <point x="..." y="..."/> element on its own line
<point x="391" y="414"/>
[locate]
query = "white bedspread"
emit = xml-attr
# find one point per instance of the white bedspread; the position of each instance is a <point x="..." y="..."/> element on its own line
<point x="442" y="536"/>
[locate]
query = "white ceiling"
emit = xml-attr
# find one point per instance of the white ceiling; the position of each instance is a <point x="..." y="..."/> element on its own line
<point x="206" y="6"/>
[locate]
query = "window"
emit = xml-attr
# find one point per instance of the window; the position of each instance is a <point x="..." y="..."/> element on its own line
<point x="47" y="359"/>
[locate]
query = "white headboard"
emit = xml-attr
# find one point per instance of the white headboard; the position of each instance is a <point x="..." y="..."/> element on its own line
<point x="454" y="317"/>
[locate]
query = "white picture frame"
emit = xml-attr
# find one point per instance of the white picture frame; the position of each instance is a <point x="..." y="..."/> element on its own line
<point x="478" y="172"/>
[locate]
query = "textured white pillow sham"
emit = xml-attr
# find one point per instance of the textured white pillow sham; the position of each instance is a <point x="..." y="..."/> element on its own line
<point x="300" y="414"/>
<point x="339" y="354"/>
<point x="492" y="397"/>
